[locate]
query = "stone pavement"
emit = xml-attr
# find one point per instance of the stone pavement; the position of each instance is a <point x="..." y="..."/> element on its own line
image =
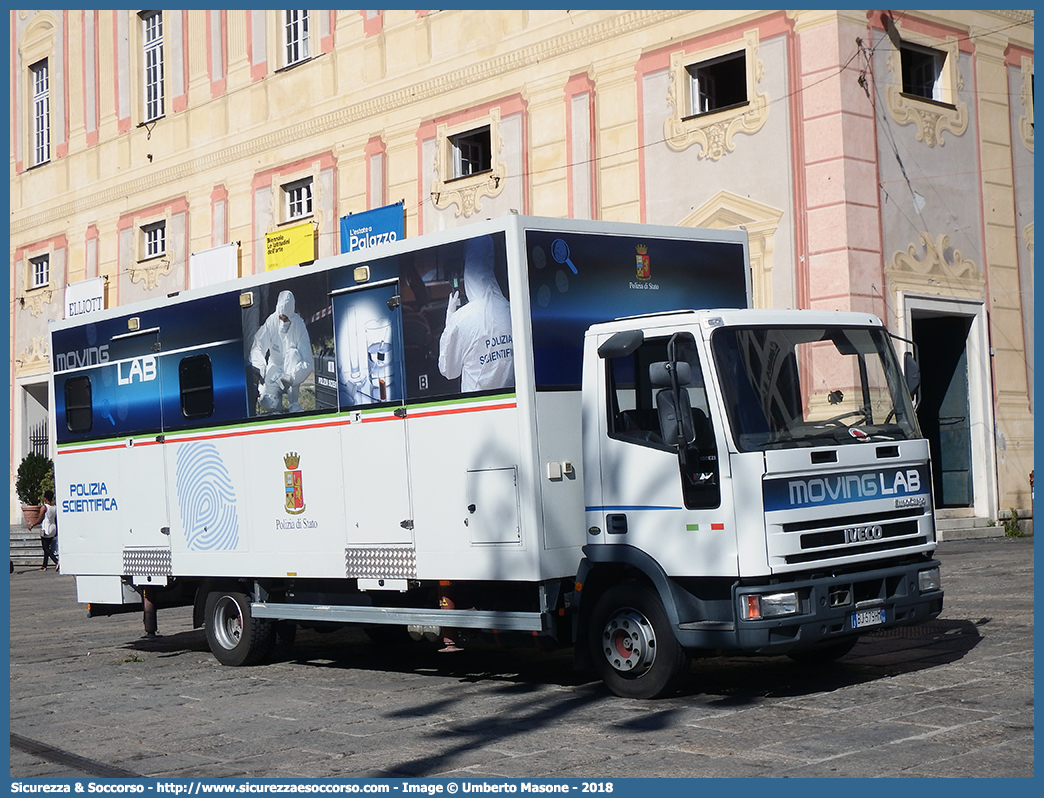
<point x="951" y="698"/>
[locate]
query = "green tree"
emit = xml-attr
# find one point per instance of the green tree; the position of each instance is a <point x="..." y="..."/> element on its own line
<point x="35" y="475"/>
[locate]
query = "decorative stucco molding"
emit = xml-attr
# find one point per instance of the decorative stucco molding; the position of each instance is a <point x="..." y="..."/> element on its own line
<point x="466" y="193"/>
<point x="714" y="131"/>
<point x="149" y="271"/>
<point x="36" y="299"/>
<point x="935" y="258"/>
<point x="34" y="357"/>
<point x="1026" y="122"/>
<point x="932" y="118"/>
<point x="727" y="211"/>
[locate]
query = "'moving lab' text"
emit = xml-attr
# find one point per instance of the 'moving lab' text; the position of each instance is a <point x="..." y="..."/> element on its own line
<point x="827" y="489"/>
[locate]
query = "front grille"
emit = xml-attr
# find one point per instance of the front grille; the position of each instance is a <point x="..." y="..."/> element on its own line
<point x="848" y="551"/>
<point x="825" y="539"/>
<point x="836" y="537"/>
<point x="856" y="520"/>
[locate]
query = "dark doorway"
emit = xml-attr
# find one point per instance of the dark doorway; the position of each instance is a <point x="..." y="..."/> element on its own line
<point x="944" y="412"/>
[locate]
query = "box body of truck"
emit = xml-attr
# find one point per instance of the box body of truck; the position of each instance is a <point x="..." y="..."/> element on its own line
<point x="418" y="438"/>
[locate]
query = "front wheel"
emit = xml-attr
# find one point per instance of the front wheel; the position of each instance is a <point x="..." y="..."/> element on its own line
<point x="234" y="635"/>
<point x="633" y="648"/>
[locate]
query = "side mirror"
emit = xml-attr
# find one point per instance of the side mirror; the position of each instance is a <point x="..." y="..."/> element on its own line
<point x="672" y="401"/>
<point x="675" y="415"/>
<point x="621" y="344"/>
<point x="660" y="374"/>
<point x="913" y="377"/>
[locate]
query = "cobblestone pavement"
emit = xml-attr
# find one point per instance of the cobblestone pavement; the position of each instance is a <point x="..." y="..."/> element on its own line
<point x="953" y="697"/>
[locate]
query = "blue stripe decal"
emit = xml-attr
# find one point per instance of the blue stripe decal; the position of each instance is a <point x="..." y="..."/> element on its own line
<point x="824" y="490"/>
<point x="628" y="507"/>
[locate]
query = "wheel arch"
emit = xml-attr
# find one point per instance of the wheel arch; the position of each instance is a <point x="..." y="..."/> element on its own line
<point x="208" y="586"/>
<point x="605" y="566"/>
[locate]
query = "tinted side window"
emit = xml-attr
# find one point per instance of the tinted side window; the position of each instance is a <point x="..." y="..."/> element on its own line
<point x="632" y="406"/>
<point x="78" y="414"/>
<point x="196" y="380"/>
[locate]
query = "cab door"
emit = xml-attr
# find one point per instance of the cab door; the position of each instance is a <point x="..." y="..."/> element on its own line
<point x="673" y="508"/>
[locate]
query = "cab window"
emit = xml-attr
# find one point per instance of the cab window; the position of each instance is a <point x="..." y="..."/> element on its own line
<point x="633" y="418"/>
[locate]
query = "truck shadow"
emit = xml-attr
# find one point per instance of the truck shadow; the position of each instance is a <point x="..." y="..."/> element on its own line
<point x="723" y="681"/>
<point x="172" y="645"/>
<point x="522" y="678"/>
<point x="736" y="681"/>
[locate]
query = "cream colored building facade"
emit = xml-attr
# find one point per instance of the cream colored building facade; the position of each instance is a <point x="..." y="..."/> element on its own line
<point x="880" y="161"/>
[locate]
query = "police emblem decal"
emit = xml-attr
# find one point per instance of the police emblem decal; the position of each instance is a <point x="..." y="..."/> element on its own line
<point x="293" y="485"/>
<point x="642" y="262"/>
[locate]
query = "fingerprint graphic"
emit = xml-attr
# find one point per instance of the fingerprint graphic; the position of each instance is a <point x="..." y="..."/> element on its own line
<point x="206" y="499"/>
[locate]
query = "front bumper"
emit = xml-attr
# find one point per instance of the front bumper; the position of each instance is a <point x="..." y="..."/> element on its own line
<point x="827" y="605"/>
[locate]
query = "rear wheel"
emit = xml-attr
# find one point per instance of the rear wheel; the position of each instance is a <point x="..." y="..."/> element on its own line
<point x="632" y="645"/>
<point x="234" y="635"/>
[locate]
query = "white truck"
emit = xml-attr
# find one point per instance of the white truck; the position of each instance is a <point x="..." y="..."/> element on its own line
<point x="504" y="427"/>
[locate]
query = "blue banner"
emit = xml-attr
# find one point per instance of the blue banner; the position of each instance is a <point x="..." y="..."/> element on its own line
<point x="372" y="228"/>
<point x="910" y="486"/>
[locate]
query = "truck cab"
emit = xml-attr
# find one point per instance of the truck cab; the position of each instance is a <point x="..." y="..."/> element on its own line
<point x="755" y="482"/>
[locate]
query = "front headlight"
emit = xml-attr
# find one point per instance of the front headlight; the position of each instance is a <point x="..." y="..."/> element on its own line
<point x="929" y="580"/>
<point x="769" y="605"/>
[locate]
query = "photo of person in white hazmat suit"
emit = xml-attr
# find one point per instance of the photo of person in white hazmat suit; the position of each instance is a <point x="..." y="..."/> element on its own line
<point x="282" y="355"/>
<point x="476" y="343"/>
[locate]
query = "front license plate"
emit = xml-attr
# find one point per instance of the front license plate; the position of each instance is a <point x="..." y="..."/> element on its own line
<point x="868" y="618"/>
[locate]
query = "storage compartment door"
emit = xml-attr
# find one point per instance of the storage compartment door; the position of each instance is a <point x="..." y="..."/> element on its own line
<point x="493" y="515"/>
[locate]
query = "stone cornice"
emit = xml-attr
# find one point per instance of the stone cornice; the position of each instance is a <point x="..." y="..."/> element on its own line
<point x="441" y="85"/>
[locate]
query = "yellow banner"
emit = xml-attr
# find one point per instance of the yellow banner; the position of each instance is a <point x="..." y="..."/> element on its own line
<point x="289" y="246"/>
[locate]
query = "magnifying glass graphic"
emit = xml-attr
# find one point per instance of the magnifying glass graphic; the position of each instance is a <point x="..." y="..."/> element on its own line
<point x="560" y="252"/>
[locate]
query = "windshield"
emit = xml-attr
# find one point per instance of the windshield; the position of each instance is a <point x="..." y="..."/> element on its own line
<point x="811" y="386"/>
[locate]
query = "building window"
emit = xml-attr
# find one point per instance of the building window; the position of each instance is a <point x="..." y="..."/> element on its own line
<point x="923" y="72"/>
<point x="714" y="98"/>
<point x="718" y="83"/>
<point x="472" y="152"/>
<point x="1029" y="102"/>
<point x="40" y="271"/>
<point x="925" y="88"/>
<point x="41" y="112"/>
<point x="152" y="41"/>
<point x="1026" y="122"/>
<point x="295" y="26"/>
<point x="155" y="239"/>
<point x="467" y="164"/>
<point x="298" y="199"/>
